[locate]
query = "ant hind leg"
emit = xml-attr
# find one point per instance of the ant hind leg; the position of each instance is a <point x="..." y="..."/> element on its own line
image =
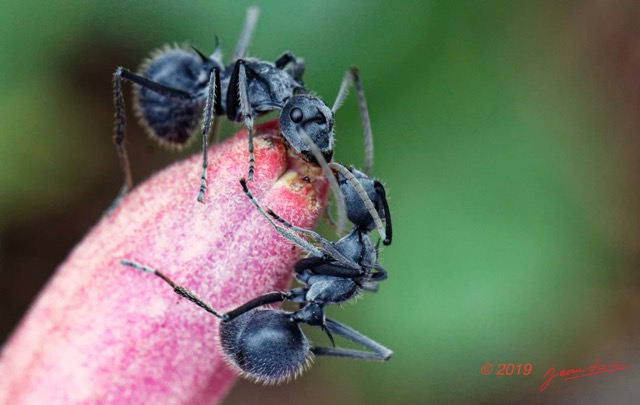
<point x="377" y="351"/>
<point x="120" y="121"/>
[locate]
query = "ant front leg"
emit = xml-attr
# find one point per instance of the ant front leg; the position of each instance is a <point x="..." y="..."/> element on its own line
<point x="323" y="266"/>
<point x="238" y="96"/>
<point x="120" y="121"/>
<point x="285" y="233"/>
<point x="377" y="351"/>
<point x="206" y="124"/>
<point x="247" y="112"/>
<point x="328" y="247"/>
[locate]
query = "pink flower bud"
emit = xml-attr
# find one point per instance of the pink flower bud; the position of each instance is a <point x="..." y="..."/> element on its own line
<point x="104" y="333"/>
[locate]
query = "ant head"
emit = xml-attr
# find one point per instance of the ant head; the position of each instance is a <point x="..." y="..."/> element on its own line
<point x="266" y="345"/>
<point x="357" y="211"/>
<point x="308" y="114"/>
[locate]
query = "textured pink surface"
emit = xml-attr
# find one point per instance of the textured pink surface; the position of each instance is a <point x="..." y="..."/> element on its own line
<point x="104" y="333"/>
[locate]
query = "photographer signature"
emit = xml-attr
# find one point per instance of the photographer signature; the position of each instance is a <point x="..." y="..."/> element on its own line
<point x="574" y="373"/>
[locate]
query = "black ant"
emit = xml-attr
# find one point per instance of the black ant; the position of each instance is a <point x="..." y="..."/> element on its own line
<point x="268" y="345"/>
<point x="177" y="87"/>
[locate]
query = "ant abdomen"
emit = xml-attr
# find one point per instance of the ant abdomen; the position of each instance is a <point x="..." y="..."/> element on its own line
<point x="265" y="345"/>
<point x="172" y="120"/>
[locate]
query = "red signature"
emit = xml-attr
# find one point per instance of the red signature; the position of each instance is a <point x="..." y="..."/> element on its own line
<point x="573" y="373"/>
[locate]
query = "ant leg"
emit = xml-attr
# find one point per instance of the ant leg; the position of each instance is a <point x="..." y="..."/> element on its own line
<point x="151" y="85"/>
<point x="308" y="263"/>
<point x="289" y="63"/>
<point x="298" y="295"/>
<point x="284" y="59"/>
<point x="266" y="299"/>
<point x="290" y="236"/>
<point x="326" y="269"/>
<point x="352" y="76"/>
<point x="120" y="120"/>
<point x="335" y="187"/>
<point x="245" y="35"/>
<point x="326" y="245"/>
<point x="245" y="108"/>
<point x="323" y="266"/>
<point x="298" y="71"/>
<point x="217" y="110"/>
<point x="206" y="124"/>
<point x="181" y="291"/>
<point x="379" y="275"/>
<point x="370" y="287"/>
<point x="372" y="284"/>
<point x="328" y="219"/>
<point x="118" y="139"/>
<point x="367" y="201"/>
<point x="215" y="132"/>
<point x="377" y="351"/>
<point x="387" y="214"/>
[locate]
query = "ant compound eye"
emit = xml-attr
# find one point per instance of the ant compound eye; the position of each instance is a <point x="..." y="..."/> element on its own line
<point x="296" y="115"/>
<point x="320" y="118"/>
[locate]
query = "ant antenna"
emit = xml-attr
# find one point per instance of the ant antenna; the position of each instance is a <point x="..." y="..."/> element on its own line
<point x="333" y="183"/>
<point x="364" y="196"/>
<point x="351" y="77"/>
<point x="290" y="236"/>
<point x="245" y="35"/>
<point x="181" y="291"/>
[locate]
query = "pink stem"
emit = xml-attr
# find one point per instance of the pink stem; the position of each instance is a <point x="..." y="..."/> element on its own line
<point x="104" y="333"/>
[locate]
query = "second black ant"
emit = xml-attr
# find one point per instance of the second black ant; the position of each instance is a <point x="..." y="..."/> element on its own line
<point x="176" y="88"/>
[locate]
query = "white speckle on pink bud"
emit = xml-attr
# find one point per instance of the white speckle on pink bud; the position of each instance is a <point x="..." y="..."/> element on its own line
<point x="103" y="333"/>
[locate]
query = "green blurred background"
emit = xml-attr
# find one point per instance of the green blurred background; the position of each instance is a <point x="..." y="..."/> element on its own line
<point x="506" y="134"/>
